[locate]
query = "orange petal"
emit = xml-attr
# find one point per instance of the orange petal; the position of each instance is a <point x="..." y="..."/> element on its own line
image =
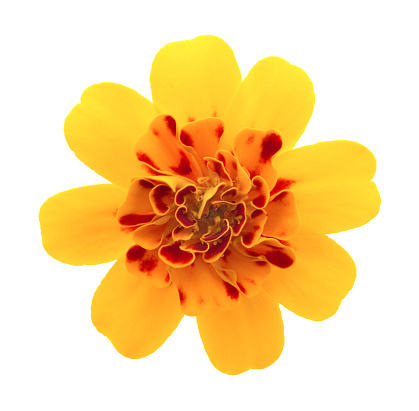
<point x="199" y="286"/>
<point x="151" y="235"/>
<point x="253" y="228"/>
<point x="249" y="336"/>
<point x="255" y="149"/>
<point x="140" y="261"/>
<point x="234" y="169"/>
<point x="203" y="136"/>
<point x="314" y="286"/>
<point x="259" y="195"/>
<point x="272" y="250"/>
<point x="176" y="257"/>
<point x="136" y="316"/>
<point x="79" y="226"/>
<point x="249" y="272"/>
<point x="283" y="220"/>
<point x="103" y="128"/>
<point x="137" y="209"/>
<point x="160" y="148"/>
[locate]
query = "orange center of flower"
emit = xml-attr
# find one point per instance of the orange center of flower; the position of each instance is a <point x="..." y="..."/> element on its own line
<point x="199" y="213"/>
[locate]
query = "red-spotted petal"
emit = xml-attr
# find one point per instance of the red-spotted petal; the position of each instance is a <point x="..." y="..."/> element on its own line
<point x="272" y="250"/>
<point x="136" y="208"/>
<point x="160" y="148"/>
<point x="283" y="220"/>
<point x="140" y="261"/>
<point x="203" y="136"/>
<point x="255" y="149"/>
<point x="175" y="257"/>
<point x="199" y="284"/>
<point x="253" y="228"/>
<point x="249" y="272"/>
<point x="151" y="235"/>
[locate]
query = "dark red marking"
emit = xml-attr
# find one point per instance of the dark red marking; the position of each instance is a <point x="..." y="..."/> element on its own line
<point x="260" y="201"/>
<point x="248" y="238"/>
<point x="145" y="183"/>
<point x="190" y="119"/>
<point x="184" y="167"/>
<point x="183" y="218"/>
<point x="221" y="158"/>
<point x="135" y="219"/>
<point x="128" y="229"/>
<point x="182" y="296"/>
<point x="234" y="164"/>
<point x="175" y="255"/>
<point x="286" y="243"/>
<point x="180" y="195"/>
<point x="271" y="144"/>
<point x="135" y="253"/>
<point x="146" y="159"/>
<point x="219" y="131"/>
<point x="279" y="258"/>
<point x="171" y="124"/>
<point x="159" y="194"/>
<point x="149" y="265"/>
<point x="232" y="291"/>
<point x="226" y="253"/>
<point x="217" y="235"/>
<point x="261" y="263"/>
<point x="281" y="184"/>
<point x="217" y="250"/>
<point x="242" y="289"/>
<point x="167" y="279"/>
<point x="198" y="247"/>
<point x="256" y="213"/>
<point x="155" y="131"/>
<point x="186" y="139"/>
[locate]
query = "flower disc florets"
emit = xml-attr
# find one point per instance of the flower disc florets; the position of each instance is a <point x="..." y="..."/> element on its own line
<point x="199" y="212"/>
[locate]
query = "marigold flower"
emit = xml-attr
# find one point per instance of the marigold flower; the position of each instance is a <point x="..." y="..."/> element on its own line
<point x="211" y="212"/>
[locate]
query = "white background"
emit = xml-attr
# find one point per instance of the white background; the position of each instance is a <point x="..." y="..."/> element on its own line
<point x="362" y="59"/>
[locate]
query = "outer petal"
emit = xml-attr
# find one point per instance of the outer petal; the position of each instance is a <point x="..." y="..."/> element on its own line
<point x="250" y="336"/>
<point x="274" y="95"/>
<point x="79" y="226"/>
<point x="194" y="79"/>
<point x="103" y="129"/>
<point x="135" y="316"/>
<point x="314" y="286"/>
<point x="331" y="182"/>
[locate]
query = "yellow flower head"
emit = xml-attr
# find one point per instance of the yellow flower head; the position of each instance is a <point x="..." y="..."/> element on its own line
<point x="210" y="213"/>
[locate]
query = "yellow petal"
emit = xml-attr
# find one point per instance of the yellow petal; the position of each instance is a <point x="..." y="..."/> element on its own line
<point x="194" y="79"/>
<point x="103" y="129"/>
<point x="79" y="226"/>
<point x="331" y="182"/>
<point x="321" y="276"/>
<point x="136" y="316"/>
<point x="249" y="336"/>
<point x="274" y="95"/>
